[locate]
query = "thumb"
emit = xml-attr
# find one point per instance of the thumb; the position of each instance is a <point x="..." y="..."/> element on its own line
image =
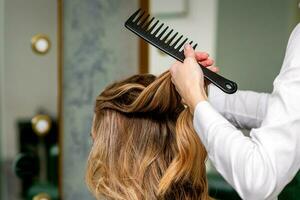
<point x="189" y="51"/>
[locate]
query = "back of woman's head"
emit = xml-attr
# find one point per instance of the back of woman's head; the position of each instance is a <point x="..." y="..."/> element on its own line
<point x="144" y="143"/>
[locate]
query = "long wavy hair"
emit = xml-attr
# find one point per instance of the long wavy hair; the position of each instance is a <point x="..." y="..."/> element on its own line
<point x="144" y="145"/>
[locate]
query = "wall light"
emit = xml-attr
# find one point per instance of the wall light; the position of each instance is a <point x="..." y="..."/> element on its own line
<point x="40" y="43"/>
<point x="42" y="196"/>
<point x="41" y="124"/>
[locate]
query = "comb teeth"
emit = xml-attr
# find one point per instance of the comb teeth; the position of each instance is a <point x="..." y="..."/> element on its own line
<point x="173" y="45"/>
<point x="141" y="25"/>
<point x="182" y="43"/>
<point x="166" y="37"/>
<point x="139" y="17"/>
<point x="161" y="34"/>
<point x="143" y="22"/>
<point x="157" y="34"/>
<point x="157" y="30"/>
<point x="153" y="26"/>
<point x="172" y="38"/>
<point x="133" y="16"/>
<point x="148" y="24"/>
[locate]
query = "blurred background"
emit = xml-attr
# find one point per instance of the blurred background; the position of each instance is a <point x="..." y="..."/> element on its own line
<point x="57" y="55"/>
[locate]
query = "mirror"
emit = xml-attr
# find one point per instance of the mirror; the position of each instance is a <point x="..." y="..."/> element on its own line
<point x="29" y="99"/>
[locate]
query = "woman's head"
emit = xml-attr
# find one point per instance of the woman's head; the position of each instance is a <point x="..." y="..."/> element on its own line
<point x="144" y="143"/>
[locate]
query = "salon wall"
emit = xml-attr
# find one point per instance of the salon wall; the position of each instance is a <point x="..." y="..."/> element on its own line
<point x="97" y="50"/>
<point x="246" y="38"/>
<point x="28" y="80"/>
<point x="251" y="40"/>
<point x="1" y="85"/>
<point x="1" y="61"/>
<point x="199" y="24"/>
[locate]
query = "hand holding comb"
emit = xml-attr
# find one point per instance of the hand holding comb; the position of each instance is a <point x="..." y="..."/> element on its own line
<point x="143" y="27"/>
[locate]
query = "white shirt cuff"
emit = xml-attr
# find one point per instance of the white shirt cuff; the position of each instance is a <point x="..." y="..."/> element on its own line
<point x="205" y="118"/>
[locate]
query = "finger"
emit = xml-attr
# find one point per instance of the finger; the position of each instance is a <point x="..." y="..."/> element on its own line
<point x="177" y="62"/>
<point x="189" y="51"/>
<point x="201" y="56"/>
<point x="207" y="62"/>
<point x="174" y="67"/>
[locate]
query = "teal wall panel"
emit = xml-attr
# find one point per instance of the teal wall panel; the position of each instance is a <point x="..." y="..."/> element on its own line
<point x="97" y="51"/>
<point x="251" y="40"/>
<point x="1" y="90"/>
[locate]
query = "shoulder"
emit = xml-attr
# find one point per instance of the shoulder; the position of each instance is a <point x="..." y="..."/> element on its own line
<point x="297" y="28"/>
<point x="294" y="40"/>
<point x="290" y="70"/>
<point x="293" y="48"/>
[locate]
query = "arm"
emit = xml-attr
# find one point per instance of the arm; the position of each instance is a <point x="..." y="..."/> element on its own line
<point x="244" y="109"/>
<point x="259" y="166"/>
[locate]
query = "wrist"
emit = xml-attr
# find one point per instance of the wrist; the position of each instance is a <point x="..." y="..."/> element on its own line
<point x="197" y="98"/>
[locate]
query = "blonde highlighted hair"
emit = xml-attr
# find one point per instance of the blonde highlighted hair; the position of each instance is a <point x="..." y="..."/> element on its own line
<point x="145" y="146"/>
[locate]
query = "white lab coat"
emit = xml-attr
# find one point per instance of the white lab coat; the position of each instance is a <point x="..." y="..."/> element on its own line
<point x="259" y="166"/>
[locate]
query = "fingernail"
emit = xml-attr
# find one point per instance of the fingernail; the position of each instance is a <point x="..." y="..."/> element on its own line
<point x="187" y="46"/>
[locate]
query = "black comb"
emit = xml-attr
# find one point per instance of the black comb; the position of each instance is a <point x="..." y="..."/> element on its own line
<point x="140" y="24"/>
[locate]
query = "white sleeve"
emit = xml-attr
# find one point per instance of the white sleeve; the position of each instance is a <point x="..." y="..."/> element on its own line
<point x="261" y="165"/>
<point x="244" y="109"/>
